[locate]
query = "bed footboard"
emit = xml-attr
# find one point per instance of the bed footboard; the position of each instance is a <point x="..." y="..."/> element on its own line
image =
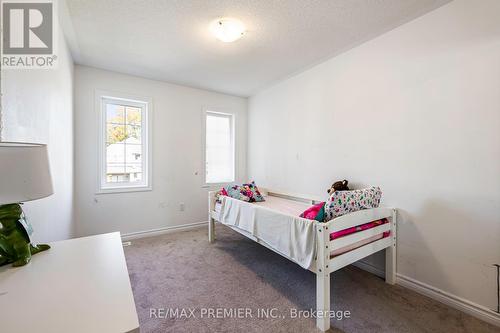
<point x="356" y="219"/>
<point x="325" y="265"/>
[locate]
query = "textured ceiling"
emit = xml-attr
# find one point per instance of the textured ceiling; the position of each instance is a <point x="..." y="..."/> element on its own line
<point x="169" y="40"/>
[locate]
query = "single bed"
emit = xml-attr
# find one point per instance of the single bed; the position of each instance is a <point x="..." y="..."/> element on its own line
<point x="321" y="247"/>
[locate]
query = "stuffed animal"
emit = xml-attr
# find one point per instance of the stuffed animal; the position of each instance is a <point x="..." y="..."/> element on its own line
<point x="339" y="186"/>
<point x="15" y="245"/>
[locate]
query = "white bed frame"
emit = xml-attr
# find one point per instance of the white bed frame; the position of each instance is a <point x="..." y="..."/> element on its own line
<point x="324" y="265"/>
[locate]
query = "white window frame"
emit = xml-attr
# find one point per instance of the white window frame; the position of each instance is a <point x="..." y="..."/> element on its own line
<point x="223" y="113"/>
<point x="146" y="104"/>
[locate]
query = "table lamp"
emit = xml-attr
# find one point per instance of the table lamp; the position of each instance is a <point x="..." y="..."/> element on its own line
<point x="24" y="176"/>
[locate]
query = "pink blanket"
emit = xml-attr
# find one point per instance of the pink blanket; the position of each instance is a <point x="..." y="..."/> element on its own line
<point x="362" y="227"/>
<point x="348" y="231"/>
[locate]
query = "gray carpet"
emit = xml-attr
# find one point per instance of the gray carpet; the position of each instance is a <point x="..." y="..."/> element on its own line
<point x="181" y="270"/>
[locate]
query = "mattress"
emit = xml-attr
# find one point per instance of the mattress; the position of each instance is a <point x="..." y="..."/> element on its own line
<point x="282" y="205"/>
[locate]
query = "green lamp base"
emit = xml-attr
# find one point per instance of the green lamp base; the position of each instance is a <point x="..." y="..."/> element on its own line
<point x="15" y="244"/>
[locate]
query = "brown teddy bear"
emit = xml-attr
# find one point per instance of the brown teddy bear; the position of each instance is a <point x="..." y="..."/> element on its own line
<point x="339" y="186"/>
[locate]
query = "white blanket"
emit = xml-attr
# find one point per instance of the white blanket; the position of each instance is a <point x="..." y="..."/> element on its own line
<point x="291" y="236"/>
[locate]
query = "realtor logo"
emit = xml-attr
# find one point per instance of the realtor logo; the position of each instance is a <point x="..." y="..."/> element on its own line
<point x="28" y="34"/>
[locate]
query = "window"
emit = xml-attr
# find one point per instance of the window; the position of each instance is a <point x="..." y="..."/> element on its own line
<point x="219" y="148"/>
<point x="124" y="153"/>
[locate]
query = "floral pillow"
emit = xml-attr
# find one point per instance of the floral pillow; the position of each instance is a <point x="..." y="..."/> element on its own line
<point x="343" y="202"/>
<point x="221" y="193"/>
<point x="246" y="192"/>
<point x="252" y="191"/>
<point x="237" y="192"/>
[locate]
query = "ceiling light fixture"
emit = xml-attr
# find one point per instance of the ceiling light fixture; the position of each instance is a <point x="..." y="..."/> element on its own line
<point x="227" y="30"/>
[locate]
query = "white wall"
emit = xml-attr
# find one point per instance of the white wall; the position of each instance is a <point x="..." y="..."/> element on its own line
<point x="416" y="111"/>
<point x="177" y="155"/>
<point x="37" y="106"/>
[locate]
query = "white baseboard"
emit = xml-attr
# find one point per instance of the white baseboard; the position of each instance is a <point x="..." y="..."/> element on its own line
<point x="161" y="231"/>
<point x="456" y="302"/>
<point x="439" y="295"/>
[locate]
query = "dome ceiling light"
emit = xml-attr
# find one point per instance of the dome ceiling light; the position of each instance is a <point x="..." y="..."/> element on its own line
<point x="227" y="30"/>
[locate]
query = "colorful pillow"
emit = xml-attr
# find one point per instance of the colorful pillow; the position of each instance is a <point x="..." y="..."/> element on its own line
<point x="316" y="212"/>
<point x="343" y="202"/>
<point x="255" y="193"/>
<point x="236" y="192"/>
<point x="246" y="192"/>
<point x="321" y="214"/>
<point x="221" y="193"/>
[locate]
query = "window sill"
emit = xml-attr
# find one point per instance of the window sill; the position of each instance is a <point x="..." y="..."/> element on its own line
<point x="127" y="189"/>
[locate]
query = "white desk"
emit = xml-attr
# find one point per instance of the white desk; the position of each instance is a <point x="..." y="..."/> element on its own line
<point x="79" y="285"/>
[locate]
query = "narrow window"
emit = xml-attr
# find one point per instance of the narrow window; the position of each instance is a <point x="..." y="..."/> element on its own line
<point x="124" y="160"/>
<point x="219" y="148"/>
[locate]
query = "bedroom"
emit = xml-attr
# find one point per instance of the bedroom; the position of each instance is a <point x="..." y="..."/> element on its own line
<point x="142" y="111"/>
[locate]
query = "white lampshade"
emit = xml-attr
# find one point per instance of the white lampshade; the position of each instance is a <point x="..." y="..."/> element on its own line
<point x="24" y="172"/>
